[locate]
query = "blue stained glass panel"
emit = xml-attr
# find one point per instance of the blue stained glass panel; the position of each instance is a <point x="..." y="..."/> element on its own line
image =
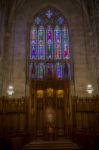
<point x="57" y="42"/>
<point x="33" y="43"/>
<point x="37" y="20"/>
<point x="41" y="69"/>
<point x="59" y="73"/>
<point x="49" y="42"/>
<point x="65" y="43"/>
<point x="49" y="70"/>
<point x="41" y="42"/>
<point x="49" y="13"/>
<point x="60" y="21"/>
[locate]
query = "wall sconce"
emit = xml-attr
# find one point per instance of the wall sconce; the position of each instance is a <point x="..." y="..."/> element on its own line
<point x="10" y="90"/>
<point x="89" y="89"/>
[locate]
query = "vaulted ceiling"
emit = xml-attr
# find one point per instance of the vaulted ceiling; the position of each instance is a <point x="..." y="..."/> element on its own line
<point x="13" y="5"/>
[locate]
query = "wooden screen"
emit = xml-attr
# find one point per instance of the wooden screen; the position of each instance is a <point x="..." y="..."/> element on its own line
<point x="50" y="106"/>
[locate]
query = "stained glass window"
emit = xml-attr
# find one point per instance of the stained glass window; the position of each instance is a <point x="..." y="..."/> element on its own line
<point x="59" y="72"/>
<point x="33" y="43"/>
<point x="37" y="20"/>
<point x="49" y="13"/>
<point x="60" y="21"/>
<point x="49" y="69"/>
<point x="49" y="45"/>
<point x="41" y="43"/>
<point x="57" y="42"/>
<point x="40" y="70"/>
<point x="49" y="42"/>
<point x="65" y="43"/>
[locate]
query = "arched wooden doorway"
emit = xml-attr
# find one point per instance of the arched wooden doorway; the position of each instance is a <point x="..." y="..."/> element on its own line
<point x="49" y="76"/>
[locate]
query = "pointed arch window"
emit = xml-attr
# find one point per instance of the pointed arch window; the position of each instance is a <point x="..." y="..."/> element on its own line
<point x="65" y="43"/>
<point x="49" y="69"/>
<point x="59" y="71"/>
<point x="49" y="43"/>
<point x="33" y="43"/>
<point x="40" y="70"/>
<point x="41" y="43"/>
<point x="57" y="43"/>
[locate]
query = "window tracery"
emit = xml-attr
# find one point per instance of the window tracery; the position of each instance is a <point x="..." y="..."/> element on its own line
<point x="49" y="43"/>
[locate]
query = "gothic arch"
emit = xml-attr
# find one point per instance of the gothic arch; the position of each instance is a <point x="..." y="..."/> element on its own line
<point x="49" y="20"/>
<point x="49" y="74"/>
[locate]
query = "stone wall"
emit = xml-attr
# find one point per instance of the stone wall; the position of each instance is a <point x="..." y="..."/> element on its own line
<point x="2" y="36"/>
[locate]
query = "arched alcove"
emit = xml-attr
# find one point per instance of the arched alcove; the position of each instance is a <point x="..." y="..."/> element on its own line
<point x="49" y="75"/>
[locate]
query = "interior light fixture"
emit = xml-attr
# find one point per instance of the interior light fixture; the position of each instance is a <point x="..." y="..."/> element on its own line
<point x="10" y="90"/>
<point x="89" y="89"/>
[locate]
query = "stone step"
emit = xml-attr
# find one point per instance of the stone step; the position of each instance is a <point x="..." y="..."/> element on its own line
<point x="52" y="145"/>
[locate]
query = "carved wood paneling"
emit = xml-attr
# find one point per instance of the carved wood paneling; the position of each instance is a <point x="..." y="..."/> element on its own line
<point x="13" y="115"/>
<point x="86" y="114"/>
